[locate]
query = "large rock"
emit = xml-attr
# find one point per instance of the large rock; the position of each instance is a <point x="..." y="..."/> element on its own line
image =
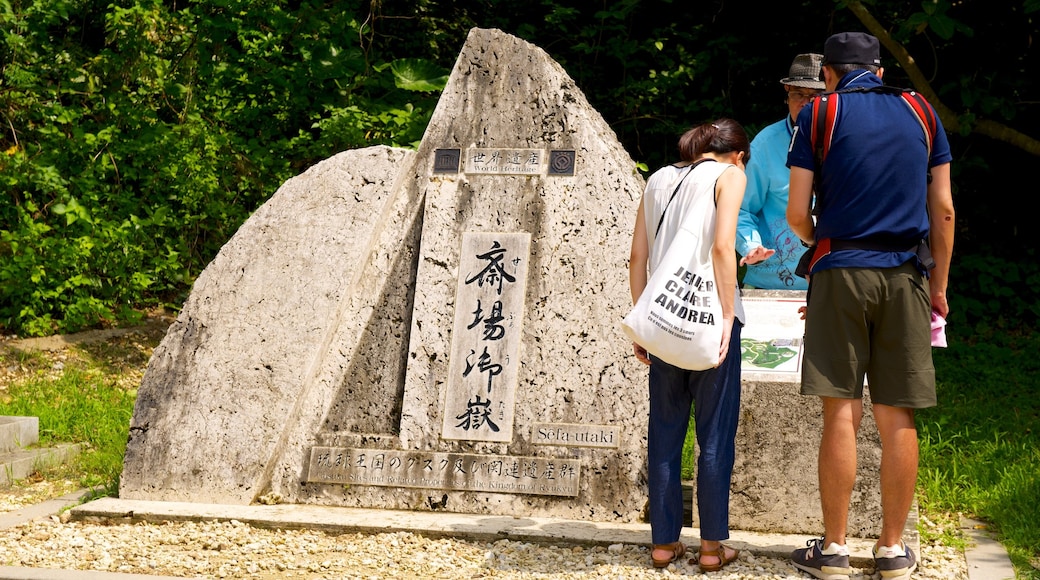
<point x="307" y="304"/>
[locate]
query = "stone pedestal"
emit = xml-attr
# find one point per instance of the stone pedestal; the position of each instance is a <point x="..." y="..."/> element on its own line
<point x="775" y="485"/>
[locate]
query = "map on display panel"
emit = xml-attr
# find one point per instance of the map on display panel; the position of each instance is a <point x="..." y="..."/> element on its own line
<point x="771" y="341"/>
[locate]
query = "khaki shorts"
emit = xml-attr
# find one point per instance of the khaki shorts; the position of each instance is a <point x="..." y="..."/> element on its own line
<point x="874" y="322"/>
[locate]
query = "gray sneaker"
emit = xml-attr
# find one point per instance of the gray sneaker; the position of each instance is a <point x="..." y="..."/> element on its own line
<point x="891" y="564"/>
<point x="811" y="559"/>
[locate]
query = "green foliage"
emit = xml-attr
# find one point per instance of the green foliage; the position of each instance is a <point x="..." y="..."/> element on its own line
<point x="990" y="292"/>
<point x="140" y="136"/>
<point x="935" y="17"/>
<point x="136" y="137"/>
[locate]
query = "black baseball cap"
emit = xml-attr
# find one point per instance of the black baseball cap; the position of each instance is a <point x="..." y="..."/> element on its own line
<point x="852" y="48"/>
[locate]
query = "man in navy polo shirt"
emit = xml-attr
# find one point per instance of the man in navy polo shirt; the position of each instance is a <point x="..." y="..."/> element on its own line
<point x="882" y="189"/>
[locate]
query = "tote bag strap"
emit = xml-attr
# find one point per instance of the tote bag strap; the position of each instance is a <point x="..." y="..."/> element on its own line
<point x="693" y="166"/>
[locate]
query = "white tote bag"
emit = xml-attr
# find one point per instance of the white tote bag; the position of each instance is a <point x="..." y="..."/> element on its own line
<point x="678" y="317"/>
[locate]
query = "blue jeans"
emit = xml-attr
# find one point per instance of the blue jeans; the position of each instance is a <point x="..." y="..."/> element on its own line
<point x="715" y="396"/>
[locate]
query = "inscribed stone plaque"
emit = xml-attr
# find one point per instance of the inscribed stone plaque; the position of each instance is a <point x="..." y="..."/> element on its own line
<point x="486" y="339"/>
<point x="575" y="435"/>
<point x="505" y="161"/>
<point x="450" y="471"/>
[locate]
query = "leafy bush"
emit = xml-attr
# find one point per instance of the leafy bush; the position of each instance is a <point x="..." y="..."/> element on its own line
<point x="136" y="136"/>
<point x="140" y="136"/>
<point x="989" y="292"/>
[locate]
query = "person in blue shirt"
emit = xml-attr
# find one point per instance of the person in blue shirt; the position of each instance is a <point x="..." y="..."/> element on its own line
<point x="882" y="194"/>
<point x="768" y="246"/>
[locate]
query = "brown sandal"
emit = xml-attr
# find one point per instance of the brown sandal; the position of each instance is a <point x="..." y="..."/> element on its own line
<point x="675" y="549"/>
<point x="719" y="553"/>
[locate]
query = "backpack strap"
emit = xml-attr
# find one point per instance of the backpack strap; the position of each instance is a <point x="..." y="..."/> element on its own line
<point x="824" y="111"/>
<point x="924" y="114"/>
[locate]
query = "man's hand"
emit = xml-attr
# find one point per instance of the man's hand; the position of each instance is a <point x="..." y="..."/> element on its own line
<point x="939" y="304"/>
<point x="756" y="255"/>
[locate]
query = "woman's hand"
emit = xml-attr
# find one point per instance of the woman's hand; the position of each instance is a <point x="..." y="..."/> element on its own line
<point x="641" y="354"/>
<point x="727" y="331"/>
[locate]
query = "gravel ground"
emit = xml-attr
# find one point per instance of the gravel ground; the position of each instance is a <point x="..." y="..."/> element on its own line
<point x="237" y="550"/>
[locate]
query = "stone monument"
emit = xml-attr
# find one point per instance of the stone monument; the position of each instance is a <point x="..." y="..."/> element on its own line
<point x="427" y="330"/>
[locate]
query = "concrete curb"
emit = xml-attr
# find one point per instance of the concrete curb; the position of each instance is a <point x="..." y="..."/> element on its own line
<point x="43" y="509"/>
<point x="442" y="524"/>
<point x="486" y="528"/>
<point x="987" y="558"/>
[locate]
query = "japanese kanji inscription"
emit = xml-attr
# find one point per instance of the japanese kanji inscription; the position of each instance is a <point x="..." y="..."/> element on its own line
<point x="486" y="339"/>
<point x="451" y="471"/>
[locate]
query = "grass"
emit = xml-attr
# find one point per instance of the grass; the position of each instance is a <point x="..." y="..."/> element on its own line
<point x="980" y="447"/>
<point x="83" y="394"/>
<point x="980" y="451"/>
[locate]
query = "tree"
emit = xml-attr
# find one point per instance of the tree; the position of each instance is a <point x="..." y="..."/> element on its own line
<point x="935" y="18"/>
<point x="137" y="136"/>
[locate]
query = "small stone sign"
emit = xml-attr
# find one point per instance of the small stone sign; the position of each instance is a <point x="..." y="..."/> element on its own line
<point x="485" y="352"/>
<point x="561" y="162"/>
<point x="449" y="471"/>
<point x="506" y="161"/>
<point x="574" y="435"/>
<point x="447" y="160"/>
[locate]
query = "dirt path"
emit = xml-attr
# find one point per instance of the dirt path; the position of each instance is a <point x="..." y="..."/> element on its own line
<point x="155" y="322"/>
<point x="122" y="353"/>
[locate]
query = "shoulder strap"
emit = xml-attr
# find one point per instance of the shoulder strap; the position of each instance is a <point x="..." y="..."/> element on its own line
<point x="824" y="111"/>
<point x="924" y="114"/>
<point x="693" y="166"/>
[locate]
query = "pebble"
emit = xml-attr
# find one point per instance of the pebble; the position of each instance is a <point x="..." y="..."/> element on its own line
<point x="237" y="550"/>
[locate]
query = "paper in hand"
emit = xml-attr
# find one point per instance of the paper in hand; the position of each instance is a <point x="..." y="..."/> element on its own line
<point x="938" y="330"/>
